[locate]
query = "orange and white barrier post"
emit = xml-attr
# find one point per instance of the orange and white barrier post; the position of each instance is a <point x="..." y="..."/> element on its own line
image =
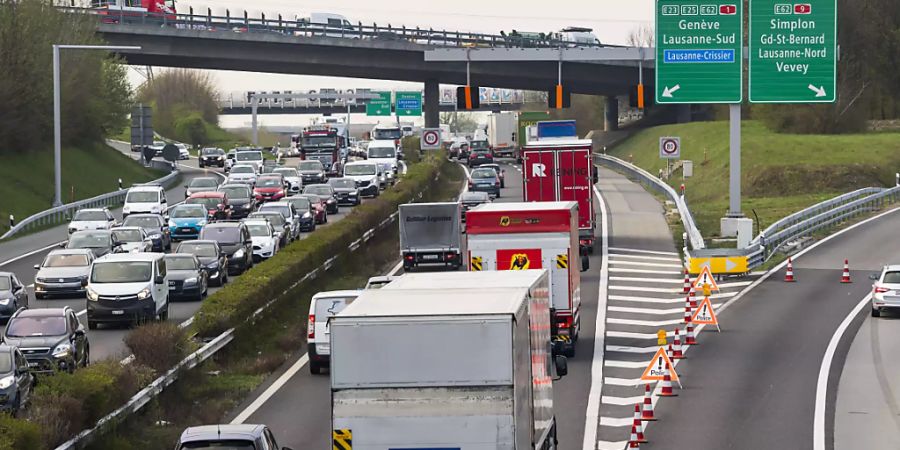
<point x="789" y="275"/>
<point x="647" y="411"/>
<point x="637" y="426"/>
<point x="687" y="282"/>
<point x="678" y="354"/>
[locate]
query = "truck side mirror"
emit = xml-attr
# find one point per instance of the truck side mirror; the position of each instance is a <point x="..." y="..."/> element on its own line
<point x="562" y="366"/>
<point x="585" y="263"/>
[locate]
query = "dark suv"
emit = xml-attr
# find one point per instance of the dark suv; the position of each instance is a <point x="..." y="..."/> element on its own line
<point x="211" y="156"/>
<point x="234" y="241"/>
<point x="241" y="199"/>
<point x="16" y="379"/>
<point x="50" y="338"/>
<point x="211" y="257"/>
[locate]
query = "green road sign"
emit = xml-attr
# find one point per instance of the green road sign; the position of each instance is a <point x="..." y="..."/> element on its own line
<point x="409" y="103"/>
<point x="699" y="51"/>
<point x="379" y="106"/>
<point x="793" y="51"/>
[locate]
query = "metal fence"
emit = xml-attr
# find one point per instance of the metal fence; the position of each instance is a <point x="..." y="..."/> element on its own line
<point x="296" y="26"/>
<point x="62" y="214"/>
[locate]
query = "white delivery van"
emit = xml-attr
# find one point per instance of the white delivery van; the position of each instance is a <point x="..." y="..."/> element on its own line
<point x="145" y="199"/>
<point x="127" y="287"/>
<point x="323" y="307"/>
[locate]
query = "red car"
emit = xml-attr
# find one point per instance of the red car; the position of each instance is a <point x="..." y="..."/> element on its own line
<point x="318" y="206"/>
<point x="216" y="204"/>
<point x="269" y="188"/>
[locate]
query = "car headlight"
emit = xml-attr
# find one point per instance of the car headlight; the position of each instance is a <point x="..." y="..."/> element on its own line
<point x="354" y="193"/>
<point x="126" y="209"/>
<point x="4" y="301"/>
<point x="239" y="253"/>
<point x="62" y="350"/>
<point x="307" y="215"/>
<point x="172" y="224"/>
<point x="221" y="158"/>
<point x="201" y="223"/>
<point x="144" y="294"/>
<point x="92" y="295"/>
<point x="191" y="281"/>
<point x="7" y="381"/>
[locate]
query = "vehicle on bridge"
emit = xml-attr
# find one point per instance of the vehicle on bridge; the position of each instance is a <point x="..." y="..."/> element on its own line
<point x="322" y="143"/>
<point x="123" y="10"/>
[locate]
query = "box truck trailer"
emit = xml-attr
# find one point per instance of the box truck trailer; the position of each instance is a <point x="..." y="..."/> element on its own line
<point x="430" y="235"/>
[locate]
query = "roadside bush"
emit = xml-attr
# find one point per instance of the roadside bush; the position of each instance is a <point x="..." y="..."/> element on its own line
<point x="158" y="345"/>
<point x="18" y="434"/>
<point x="191" y="128"/>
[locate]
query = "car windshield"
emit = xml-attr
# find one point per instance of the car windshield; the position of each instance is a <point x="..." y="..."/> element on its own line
<point x="287" y="172"/>
<point x="268" y="182"/>
<point x="360" y="169"/>
<point x="203" y="183"/>
<point x="387" y="133"/>
<point x="188" y="211"/>
<point x="318" y="190"/>
<point x="301" y="204"/>
<point x="36" y="326"/>
<point x="142" y="197"/>
<point x="249" y="156"/>
<point x="242" y="169"/>
<point x="98" y="216"/>
<point x="211" y="152"/>
<point x="275" y="218"/>
<point x="66" y="261"/>
<point x="228" y="444"/>
<point x="197" y="249"/>
<point x="208" y="202"/>
<point x="121" y="272"/>
<point x="128" y="235"/>
<point x="5" y="283"/>
<point x="310" y="165"/>
<point x="479" y="146"/>
<point x="891" y="278"/>
<point x="180" y="263"/>
<point x="5" y="362"/>
<point x="342" y="183"/>
<point x="143" y="222"/>
<point x="382" y="152"/>
<point x="317" y="141"/>
<point x="284" y="210"/>
<point x="234" y="192"/>
<point x="484" y="174"/>
<point x="228" y="235"/>
<point x="88" y="240"/>
<point x="331" y="306"/>
<point x="258" y="230"/>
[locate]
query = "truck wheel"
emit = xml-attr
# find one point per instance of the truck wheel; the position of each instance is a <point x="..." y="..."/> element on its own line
<point x="570" y="350"/>
<point x="315" y="368"/>
<point x="92" y="325"/>
<point x="876" y="313"/>
<point x="164" y="315"/>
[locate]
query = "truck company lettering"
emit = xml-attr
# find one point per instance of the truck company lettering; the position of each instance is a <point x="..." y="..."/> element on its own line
<point x="431" y="219"/>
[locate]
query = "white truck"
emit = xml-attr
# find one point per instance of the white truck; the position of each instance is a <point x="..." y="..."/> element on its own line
<point x="502" y="133"/>
<point x="467" y="369"/>
<point x="430" y="235"/>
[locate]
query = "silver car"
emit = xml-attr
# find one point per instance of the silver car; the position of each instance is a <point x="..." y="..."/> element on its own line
<point x="288" y="212"/>
<point x="92" y="219"/>
<point x="62" y="272"/>
<point x="886" y="290"/>
<point x="242" y="173"/>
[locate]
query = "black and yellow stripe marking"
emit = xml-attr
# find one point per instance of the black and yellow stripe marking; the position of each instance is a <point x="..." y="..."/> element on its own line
<point x="476" y="263"/>
<point x="342" y="439"/>
<point x="562" y="261"/>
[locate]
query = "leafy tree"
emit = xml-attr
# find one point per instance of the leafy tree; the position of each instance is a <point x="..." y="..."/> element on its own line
<point x="180" y="96"/>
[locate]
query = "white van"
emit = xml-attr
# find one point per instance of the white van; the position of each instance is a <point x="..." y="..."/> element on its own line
<point x="365" y="174"/>
<point x="145" y="199"/>
<point x="329" y="24"/>
<point x="127" y="287"/>
<point x="579" y="36"/>
<point x="385" y="154"/>
<point x="323" y="307"/>
<point x="249" y="157"/>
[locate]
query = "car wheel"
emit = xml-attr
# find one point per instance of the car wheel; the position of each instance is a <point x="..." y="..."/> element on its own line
<point x="164" y="315"/>
<point x="315" y="368"/>
<point x="92" y="325"/>
<point x="876" y="313"/>
<point x="87" y="356"/>
<point x="325" y="220"/>
<point x="38" y="296"/>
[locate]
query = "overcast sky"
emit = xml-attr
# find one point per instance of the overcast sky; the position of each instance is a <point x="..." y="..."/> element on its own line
<point x="611" y="21"/>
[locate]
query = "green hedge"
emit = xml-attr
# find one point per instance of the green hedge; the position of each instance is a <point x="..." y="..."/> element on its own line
<point x="236" y="301"/>
<point x="17" y="434"/>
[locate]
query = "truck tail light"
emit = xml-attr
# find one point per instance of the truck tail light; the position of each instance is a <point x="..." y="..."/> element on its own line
<point x="565" y="325"/>
<point x="881" y="290"/>
<point x="451" y="255"/>
<point x="585" y="242"/>
<point x="410" y="257"/>
<point x="311" y="327"/>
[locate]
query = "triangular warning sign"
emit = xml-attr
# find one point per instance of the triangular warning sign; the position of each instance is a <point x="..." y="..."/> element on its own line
<point x="705" y="315"/>
<point x="705" y="277"/>
<point x="656" y="370"/>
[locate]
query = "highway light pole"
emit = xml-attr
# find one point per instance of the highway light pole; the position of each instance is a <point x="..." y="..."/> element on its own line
<point x="57" y="131"/>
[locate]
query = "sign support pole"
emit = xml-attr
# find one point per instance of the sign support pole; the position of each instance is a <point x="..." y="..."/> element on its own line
<point x="734" y="164"/>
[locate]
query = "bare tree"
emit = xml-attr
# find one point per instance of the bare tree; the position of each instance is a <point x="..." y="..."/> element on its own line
<point x="642" y="36"/>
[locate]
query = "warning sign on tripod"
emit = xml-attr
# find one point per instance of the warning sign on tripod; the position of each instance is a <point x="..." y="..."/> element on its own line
<point x="659" y="366"/>
<point x="705" y="315"/>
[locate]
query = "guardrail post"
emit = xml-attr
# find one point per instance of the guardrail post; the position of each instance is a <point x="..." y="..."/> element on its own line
<point x="12" y="221"/>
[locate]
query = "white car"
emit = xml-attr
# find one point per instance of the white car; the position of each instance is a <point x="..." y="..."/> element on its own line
<point x="292" y="177"/>
<point x="379" y="282"/>
<point x="242" y="173"/>
<point x="249" y="157"/>
<point x="150" y="199"/>
<point x="132" y="239"/>
<point x="365" y="174"/>
<point x="322" y="307"/>
<point x="92" y="219"/>
<point x="385" y="154"/>
<point x="886" y="290"/>
<point x="183" y="152"/>
<point x="265" y="240"/>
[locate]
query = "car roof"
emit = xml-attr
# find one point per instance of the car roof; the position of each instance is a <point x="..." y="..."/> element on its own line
<point x="146" y="188"/>
<point x="471" y="195"/>
<point x="126" y="229"/>
<point x="180" y="255"/>
<point x="255" y="221"/>
<point x="208" y="194"/>
<point x="204" y="178"/>
<point x="91" y="232"/>
<point x="42" y="312"/>
<point x="278" y="203"/>
<point x="92" y="209"/>
<point x="145" y="215"/>
<point x="71" y="251"/>
<point x="360" y="163"/>
<point x="222" y="432"/>
<point x="892" y="267"/>
<point x="200" y="241"/>
<point x="224" y="225"/>
<point x="131" y="257"/>
<point x="340" y="293"/>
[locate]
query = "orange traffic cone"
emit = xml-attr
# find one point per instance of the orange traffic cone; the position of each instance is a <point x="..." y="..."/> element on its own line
<point x="687" y="282"/>
<point x="692" y="299"/>
<point x="690" y="338"/>
<point x="633" y="441"/>
<point x="667" y="386"/>
<point x="789" y="275"/>
<point x="845" y="278"/>
<point x="647" y="411"/>
<point x="687" y="313"/>
<point x="678" y="353"/>
<point x="671" y="352"/>
<point x="636" y="425"/>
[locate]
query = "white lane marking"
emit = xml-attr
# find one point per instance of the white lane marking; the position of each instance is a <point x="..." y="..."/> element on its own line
<point x="649" y="252"/>
<point x="646" y="258"/>
<point x="395" y="269"/>
<point x="643" y="323"/>
<point x="271" y="390"/>
<point x="646" y="264"/>
<point x="31" y="253"/>
<point x="631" y="335"/>
<point x="616" y="421"/>
<point x="824" y="371"/>
<point x="610" y="445"/>
<point x="628" y="349"/>
<point x="658" y="312"/>
<point x="629" y="382"/>
<point x="625" y="364"/>
<point x="81" y="313"/>
<point x="677" y="281"/>
<point x="617" y="287"/>
<point x="591" y="416"/>
<point x="632" y="298"/>
<point x="655" y="272"/>
<point x="622" y="401"/>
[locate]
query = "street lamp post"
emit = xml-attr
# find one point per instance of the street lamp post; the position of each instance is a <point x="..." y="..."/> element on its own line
<point x="57" y="131"/>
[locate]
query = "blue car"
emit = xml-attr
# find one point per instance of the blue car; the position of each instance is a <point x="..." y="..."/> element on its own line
<point x="186" y="221"/>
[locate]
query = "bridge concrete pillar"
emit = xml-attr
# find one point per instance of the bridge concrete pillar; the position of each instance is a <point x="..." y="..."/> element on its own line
<point x="611" y="118"/>
<point x="432" y="105"/>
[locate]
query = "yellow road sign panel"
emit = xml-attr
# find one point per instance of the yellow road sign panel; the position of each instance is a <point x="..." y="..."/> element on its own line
<point x="476" y="263"/>
<point x="719" y="264"/>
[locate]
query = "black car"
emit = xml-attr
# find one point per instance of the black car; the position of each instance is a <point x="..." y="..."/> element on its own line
<point x="13" y="295"/>
<point x="16" y="380"/>
<point x="187" y="276"/>
<point x="345" y="190"/>
<point x="326" y="192"/>
<point x="281" y="226"/>
<point x="305" y="209"/>
<point x="156" y="228"/>
<point x="50" y="338"/>
<point x="241" y="199"/>
<point x="100" y="242"/>
<point x="211" y="156"/>
<point x="234" y="241"/>
<point x="311" y="171"/>
<point x="200" y="184"/>
<point x="211" y="257"/>
<point x="479" y="157"/>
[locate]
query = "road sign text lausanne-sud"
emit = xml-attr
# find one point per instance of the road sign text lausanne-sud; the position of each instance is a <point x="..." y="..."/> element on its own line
<point x="793" y="48"/>
<point x="409" y="103"/>
<point x="379" y="106"/>
<point x="699" y="51"/>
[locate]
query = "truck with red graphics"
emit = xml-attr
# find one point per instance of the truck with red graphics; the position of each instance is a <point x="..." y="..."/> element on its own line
<point x="538" y="235"/>
<point x="323" y="143"/>
<point x="130" y="10"/>
<point x="557" y="166"/>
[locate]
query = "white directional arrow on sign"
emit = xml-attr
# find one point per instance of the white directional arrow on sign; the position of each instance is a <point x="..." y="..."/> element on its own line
<point x="729" y="264"/>
<point x="820" y="91"/>
<point x="667" y="92"/>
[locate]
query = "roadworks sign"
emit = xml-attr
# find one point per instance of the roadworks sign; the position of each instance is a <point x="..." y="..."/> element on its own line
<point x="706" y="278"/>
<point x="656" y="370"/>
<point x="705" y="315"/>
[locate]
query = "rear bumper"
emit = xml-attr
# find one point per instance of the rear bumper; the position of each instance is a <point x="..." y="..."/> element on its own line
<point x="443" y="258"/>
<point x="315" y="356"/>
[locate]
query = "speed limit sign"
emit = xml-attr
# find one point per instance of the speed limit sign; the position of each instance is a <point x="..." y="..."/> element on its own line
<point x="670" y="147"/>
<point x="431" y="139"/>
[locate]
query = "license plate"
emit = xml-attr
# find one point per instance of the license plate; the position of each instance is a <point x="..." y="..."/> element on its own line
<point x="32" y="364"/>
<point x="118" y="312"/>
<point x="429" y="256"/>
<point x="171" y="283"/>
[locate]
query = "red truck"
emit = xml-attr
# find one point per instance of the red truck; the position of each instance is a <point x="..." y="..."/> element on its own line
<point x="560" y="169"/>
<point x="132" y="9"/>
<point x="323" y="143"/>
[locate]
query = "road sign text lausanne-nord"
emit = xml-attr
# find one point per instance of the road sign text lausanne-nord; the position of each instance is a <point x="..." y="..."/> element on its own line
<point x="699" y="51"/>
<point x="793" y="48"/>
<point x="409" y="103"/>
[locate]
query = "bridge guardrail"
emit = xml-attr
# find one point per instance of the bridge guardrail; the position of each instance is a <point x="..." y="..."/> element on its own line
<point x="62" y="214"/>
<point x="300" y="27"/>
